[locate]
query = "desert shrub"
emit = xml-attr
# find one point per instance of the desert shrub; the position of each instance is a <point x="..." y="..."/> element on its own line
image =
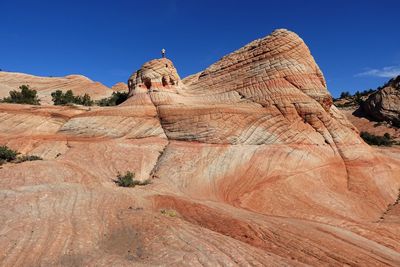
<point x="344" y="105"/>
<point x="84" y="100"/>
<point x="345" y="94"/>
<point x="169" y="212"/>
<point x="125" y="180"/>
<point x="27" y="158"/>
<point x="7" y="154"/>
<point x="358" y="98"/>
<point x="367" y="92"/>
<point x="128" y="180"/>
<point x="59" y="98"/>
<point x="24" y="96"/>
<point x="371" y="139"/>
<point x="115" y="99"/>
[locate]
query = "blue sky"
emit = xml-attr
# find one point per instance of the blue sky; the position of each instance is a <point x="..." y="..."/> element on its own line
<point x="356" y="43"/>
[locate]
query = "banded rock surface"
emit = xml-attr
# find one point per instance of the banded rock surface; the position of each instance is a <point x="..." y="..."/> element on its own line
<point x="250" y="164"/>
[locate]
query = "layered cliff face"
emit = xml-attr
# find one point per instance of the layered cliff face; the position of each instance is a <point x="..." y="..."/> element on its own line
<point x="46" y="85"/>
<point x="384" y="105"/>
<point x="249" y="161"/>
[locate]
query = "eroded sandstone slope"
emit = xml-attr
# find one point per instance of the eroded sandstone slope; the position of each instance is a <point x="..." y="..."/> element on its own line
<point x="250" y="162"/>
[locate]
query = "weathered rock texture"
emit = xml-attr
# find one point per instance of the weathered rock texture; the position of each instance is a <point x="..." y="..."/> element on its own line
<point x="384" y="105"/>
<point x="250" y="165"/>
<point x="46" y="85"/>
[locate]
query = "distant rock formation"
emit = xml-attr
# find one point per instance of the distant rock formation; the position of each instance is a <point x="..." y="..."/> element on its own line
<point x="79" y="84"/>
<point x="384" y="105"/>
<point x="120" y="87"/>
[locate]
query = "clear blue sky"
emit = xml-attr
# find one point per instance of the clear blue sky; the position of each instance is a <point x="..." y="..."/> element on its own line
<point x="356" y="43"/>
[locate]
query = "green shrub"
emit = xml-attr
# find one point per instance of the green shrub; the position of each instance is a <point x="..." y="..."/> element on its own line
<point x="371" y="139"/>
<point x="125" y="180"/>
<point x="128" y="180"/>
<point x="84" y="100"/>
<point x="60" y="99"/>
<point x="27" y="158"/>
<point x="115" y="99"/>
<point x="345" y="94"/>
<point x="7" y="154"/>
<point x="387" y="136"/>
<point x="25" y="96"/>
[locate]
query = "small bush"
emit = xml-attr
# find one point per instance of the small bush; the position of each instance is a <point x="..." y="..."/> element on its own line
<point x="125" y="180"/>
<point x="27" y="158"/>
<point x="25" y="96"/>
<point x="115" y="99"/>
<point x="169" y="212"/>
<point x="61" y="99"/>
<point x="128" y="180"/>
<point x="84" y="100"/>
<point x="371" y="139"/>
<point x="7" y="154"/>
<point x="345" y="94"/>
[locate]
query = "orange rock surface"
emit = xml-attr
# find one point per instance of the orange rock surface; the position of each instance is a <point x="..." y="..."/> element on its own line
<point x="250" y="164"/>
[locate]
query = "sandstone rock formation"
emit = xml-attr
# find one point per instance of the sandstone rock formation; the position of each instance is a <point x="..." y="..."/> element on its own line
<point x="250" y="162"/>
<point x="120" y="87"/>
<point x="366" y="124"/>
<point x="384" y="105"/>
<point x="46" y="85"/>
<point x="153" y="75"/>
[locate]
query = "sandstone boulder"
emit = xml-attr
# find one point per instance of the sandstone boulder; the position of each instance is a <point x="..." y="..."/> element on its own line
<point x="384" y="105"/>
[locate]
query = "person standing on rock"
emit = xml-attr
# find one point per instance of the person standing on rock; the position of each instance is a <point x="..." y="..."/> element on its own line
<point x="163" y="53"/>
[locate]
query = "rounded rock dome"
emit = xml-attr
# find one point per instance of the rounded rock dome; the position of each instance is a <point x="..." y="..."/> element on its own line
<point x="157" y="74"/>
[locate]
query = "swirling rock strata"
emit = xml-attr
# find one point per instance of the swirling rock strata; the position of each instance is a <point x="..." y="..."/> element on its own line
<point x="249" y="161"/>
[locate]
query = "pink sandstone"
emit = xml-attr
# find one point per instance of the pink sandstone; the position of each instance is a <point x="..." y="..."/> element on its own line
<point x="250" y="164"/>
